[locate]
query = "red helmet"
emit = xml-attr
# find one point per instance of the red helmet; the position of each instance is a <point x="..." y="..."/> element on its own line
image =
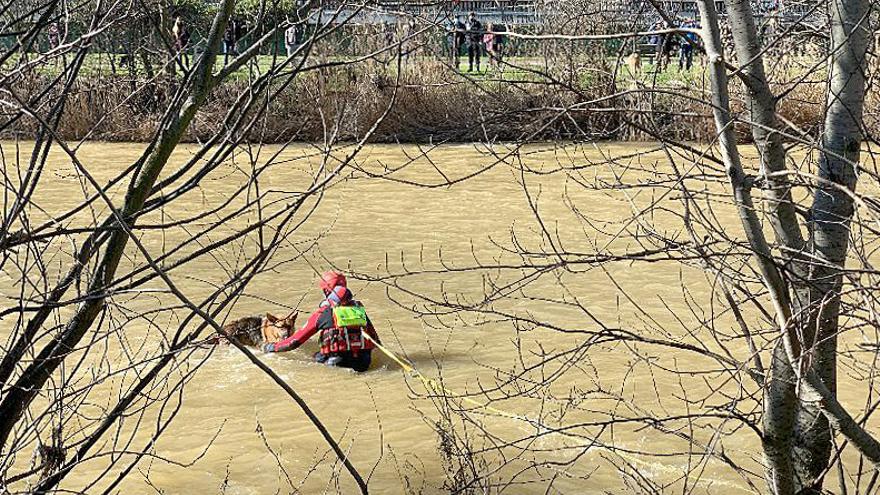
<point x="331" y="279"/>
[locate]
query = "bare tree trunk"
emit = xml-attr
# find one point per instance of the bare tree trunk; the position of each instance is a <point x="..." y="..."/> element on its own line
<point x="35" y="376"/>
<point x="779" y="395"/>
<point x="831" y="214"/>
<point x="762" y="108"/>
<point x="780" y="398"/>
<point x="797" y="433"/>
<point x="816" y="285"/>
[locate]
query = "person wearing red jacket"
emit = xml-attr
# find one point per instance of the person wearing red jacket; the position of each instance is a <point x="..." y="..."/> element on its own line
<point x="342" y="323"/>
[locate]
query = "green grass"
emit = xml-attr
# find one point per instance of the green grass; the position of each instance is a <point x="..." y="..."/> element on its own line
<point x="99" y="65"/>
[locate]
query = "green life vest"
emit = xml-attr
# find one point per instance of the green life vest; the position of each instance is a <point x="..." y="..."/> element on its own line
<point x="349" y="323"/>
<point x="349" y="316"/>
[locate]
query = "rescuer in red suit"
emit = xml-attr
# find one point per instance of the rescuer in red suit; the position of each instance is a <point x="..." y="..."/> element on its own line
<point x="342" y="323"/>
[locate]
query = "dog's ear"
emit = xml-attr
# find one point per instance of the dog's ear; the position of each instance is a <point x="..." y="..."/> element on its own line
<point x="291" y="317"/>
<point x="271" y="318"/>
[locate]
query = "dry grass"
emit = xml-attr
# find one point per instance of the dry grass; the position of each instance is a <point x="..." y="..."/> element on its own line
<point x="433" y="104"/>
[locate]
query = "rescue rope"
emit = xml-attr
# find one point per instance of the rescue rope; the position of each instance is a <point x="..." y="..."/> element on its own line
<point x="437" y="388"/>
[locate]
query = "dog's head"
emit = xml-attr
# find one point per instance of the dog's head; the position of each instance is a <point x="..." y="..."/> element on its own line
<point x="275" y="328"/>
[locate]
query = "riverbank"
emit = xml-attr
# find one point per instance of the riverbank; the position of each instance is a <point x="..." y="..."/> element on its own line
<point x="431" y="104"/>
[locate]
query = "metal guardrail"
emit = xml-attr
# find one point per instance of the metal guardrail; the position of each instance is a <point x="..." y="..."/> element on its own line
<point x="515" y="12"/>
<point x="530" y="12"/>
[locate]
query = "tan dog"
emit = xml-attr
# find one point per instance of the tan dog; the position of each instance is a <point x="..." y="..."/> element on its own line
<point x="258" y="330"/>
<point x="634" y="63"/>
<point x="275" y="329"/>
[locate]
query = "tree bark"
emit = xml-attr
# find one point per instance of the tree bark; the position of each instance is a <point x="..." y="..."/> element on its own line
<point x="798" y="429"/>
<point x="35" y="376"/>
<point x="765" y="127"/>
<point x="831" y="215"/>
<point x="781" y="408"/>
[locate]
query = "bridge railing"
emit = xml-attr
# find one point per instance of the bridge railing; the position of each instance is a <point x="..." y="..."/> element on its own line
<point x="504" y="11"/>
<point x="537" y="11"/>
<point x="493" y="6"/>
<point x="456" y="6"/>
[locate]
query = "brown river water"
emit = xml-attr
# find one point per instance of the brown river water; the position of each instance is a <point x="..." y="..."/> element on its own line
<point x="382" y="418"/>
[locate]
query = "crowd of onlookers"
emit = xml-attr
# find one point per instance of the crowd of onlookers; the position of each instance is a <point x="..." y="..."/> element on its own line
<point x="478" y="40"/>
<point x="475" y="38"/>
<point x="180" y="33"/>
<point x="666" y="44"/>
<point x="471" y="37"/>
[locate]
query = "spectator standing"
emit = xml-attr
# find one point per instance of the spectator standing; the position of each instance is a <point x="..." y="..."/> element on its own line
<point x="655" y="39"/>
<point x="388" y="29"/>
<point x="500" y="42"/>
<point x="489" y="44"/>
<point x="230" y="40"/>
<point x="292" y="38"/>
<point x="686" y="51"/>
<point x="54" y="36"/>
<point x="458" y="40"/>
<point x="181" y="41"/>
<point x="659" y="42"/>
<point x="449" y="37"/>
<point x="474" y="41"/>
<point x="668" y="42"/>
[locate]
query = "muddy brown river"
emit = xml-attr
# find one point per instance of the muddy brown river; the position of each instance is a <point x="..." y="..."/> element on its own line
<point x="238" y="433"/>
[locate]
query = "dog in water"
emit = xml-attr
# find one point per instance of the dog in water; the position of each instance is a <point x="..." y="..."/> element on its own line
<point x="255" y="331"/>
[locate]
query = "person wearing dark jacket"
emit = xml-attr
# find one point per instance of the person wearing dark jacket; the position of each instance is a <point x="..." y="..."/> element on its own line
<point x="474" y="40"/>
<point x="346" y="332"/>
<point x="686" y="50"/>
<point x="456" y="37"/>
<point x="230" y="40"/>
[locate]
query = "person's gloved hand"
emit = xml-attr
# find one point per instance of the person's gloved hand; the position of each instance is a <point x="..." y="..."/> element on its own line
<point x="268" y="347"/>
